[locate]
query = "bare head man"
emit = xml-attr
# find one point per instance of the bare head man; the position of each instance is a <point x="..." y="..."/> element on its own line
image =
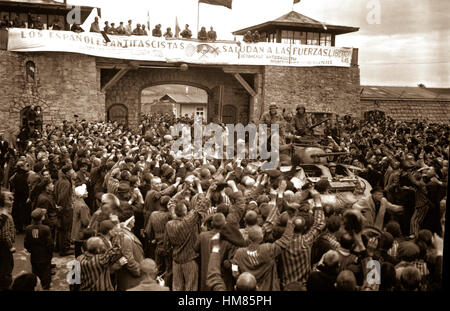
<point x="246" y="282"/>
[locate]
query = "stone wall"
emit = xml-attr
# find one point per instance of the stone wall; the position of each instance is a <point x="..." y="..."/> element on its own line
<point x="404" y="110"/>
<point x="64" y="84"/>
<point x="320" y="89"/>
<point x="127" y="90"/>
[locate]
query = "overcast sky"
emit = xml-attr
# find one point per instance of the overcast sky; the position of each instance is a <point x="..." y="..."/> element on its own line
<point x="410" y="45"/>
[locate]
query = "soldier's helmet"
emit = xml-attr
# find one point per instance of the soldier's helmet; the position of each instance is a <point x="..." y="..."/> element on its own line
<point x="273" y="105"/>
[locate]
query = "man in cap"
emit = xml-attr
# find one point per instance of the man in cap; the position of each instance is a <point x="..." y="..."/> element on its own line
<point x="301" y="121"/>
<point x="39" y="243"/>
<point x="273" y="117"/>
<point x="63" y="197"/>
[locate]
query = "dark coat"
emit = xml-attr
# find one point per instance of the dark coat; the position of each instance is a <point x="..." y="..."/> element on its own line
<point x="63" y="198"/>
<point x="39" y="243"/>
<point x="47" y="202"/>
<point x="322" y="280"/>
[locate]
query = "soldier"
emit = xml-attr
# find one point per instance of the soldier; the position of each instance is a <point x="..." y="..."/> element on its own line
<point x="273" y="117"/>
<point x="301" y="121"/>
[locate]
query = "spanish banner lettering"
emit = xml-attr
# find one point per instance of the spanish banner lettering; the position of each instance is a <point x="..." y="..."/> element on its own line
<point x="145" y="48"/>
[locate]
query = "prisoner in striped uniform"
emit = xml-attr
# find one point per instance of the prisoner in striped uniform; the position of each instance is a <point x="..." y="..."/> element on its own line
<point x="95" y="266"/>
<point x="296" y="257"/>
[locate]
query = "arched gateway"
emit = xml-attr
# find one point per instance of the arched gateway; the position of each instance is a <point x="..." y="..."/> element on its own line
<point x="223" y="89"/>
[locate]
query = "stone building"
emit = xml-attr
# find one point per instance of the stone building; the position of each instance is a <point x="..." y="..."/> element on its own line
<point x="407" y="103"/>
<point x="93" y="87"/>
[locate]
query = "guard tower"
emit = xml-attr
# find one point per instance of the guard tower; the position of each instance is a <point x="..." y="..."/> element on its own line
<point x="295" y="28"/>
<point x="26" y="12"/>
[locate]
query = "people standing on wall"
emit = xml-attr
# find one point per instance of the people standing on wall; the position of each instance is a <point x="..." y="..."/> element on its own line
<point x="121" y="31"/>
<point x="37" y="24"/>
<point x="248" y="38"/>
<point x="202" y="34"/>
<point x="112" y="30"/>
<point x="95" y="27"/>
<point x="107" y="27"/>
<point x="5" y="22"/>
<point x="77" y="28"/>
<point x="138" y="31"/>
<point x="186" y="33"/>
<point x="144" y="31"/>
<point x="129" y="28"/>
<point x="212" y="35"/>
<point x="168" y="33"/>
<point x="256" y="37"/>
<point x="156" y="32"/>
<point x="56" y="25"/>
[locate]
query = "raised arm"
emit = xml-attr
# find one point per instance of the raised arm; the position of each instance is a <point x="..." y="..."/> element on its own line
<point x="319" y="219"/>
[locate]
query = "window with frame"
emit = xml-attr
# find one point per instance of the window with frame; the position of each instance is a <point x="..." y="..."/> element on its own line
<point x="299" y="37"/>
<point x="199" y="111"/>
<point x="313" y="38"/>
<point x="287" y="36"/>
<point x="325" y="39"/>
<point x="30" y="68"/>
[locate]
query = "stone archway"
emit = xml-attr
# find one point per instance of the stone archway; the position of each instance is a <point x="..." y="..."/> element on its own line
<point x="222" y="88"/>
<point x="118" y="113"/>
<point x="19" y="103"/>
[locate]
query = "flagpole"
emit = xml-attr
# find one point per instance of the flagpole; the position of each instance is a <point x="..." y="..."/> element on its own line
<point x="198" y="15"/>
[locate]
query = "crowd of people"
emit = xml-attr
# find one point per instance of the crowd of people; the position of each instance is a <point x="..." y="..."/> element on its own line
<point x="111" y="28"/>
<point x="140" y="30"/>
<point x="139" y="216"/>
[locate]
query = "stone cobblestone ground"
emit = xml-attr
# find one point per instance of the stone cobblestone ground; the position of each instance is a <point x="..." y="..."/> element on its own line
<point x="22" y="264"/>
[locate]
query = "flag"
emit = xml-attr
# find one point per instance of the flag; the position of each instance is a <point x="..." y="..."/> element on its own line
<point x="296" y="1"/>
<point x="225" y="3"/>
<point x="148" y="20"/>
<point x="99" y="12"/>
<point x="177" y="28"/>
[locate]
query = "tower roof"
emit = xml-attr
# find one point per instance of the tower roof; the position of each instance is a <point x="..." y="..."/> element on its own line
<point x="296" y="21"/>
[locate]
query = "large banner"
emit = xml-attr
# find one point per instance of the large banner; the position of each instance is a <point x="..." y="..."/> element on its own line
<point x="145" y="48"/>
